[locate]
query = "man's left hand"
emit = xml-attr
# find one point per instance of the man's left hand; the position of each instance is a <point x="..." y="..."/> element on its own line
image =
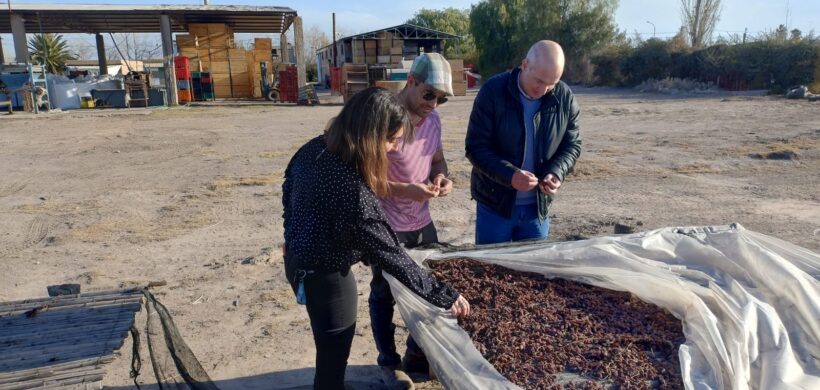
<point x="549" y="184"/>
<point x="444" y="185"/>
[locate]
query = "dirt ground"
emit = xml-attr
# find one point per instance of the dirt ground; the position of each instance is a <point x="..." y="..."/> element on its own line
<point x="192" y="196"/>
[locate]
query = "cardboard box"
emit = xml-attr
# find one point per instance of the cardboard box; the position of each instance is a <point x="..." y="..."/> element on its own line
<point x="396" y="50"/>
<point x="383" y="59"/>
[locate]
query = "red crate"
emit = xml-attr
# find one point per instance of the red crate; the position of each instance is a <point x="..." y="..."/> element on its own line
<point x="182" y="62"/>
<point x="182" y="73"/>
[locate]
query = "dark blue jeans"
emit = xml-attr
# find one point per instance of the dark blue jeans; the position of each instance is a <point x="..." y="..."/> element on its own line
<point x="381" y="303"/>
<point x="491" y="228"/>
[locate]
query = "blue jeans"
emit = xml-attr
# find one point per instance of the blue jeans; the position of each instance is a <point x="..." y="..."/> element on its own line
<point x="381" y="303"/>
<point x="491" y="228"/>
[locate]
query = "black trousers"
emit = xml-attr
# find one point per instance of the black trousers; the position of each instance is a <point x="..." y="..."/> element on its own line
<point x="331" y="306"/>
<point x="381" y="303"/>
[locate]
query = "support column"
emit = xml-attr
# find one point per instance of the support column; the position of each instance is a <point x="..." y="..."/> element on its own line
<point x="168" y="60"/>
<point x="18" y="30"/>
<point x="101" y="59"/>
<point x="283" y="48"/>
<point x="2" y="57"/>
<point x="299" y="42"/>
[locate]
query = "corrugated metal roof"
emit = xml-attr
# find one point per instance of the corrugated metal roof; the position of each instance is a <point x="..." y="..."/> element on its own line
<point x="82" y="18"/>
<point x="64" y="340"/>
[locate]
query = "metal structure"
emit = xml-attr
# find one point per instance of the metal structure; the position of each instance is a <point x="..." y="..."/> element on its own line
<point x="165" y="19"/>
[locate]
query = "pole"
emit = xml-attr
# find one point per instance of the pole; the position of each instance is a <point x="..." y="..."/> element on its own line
<point x="168" y="60"/>
<point x="102" y="60"/>
<point x="334" y="41"/>
<point x="653" y="28"/>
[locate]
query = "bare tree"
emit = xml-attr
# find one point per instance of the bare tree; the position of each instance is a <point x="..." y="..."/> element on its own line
<point x="315" y="39"/>
<point x="700" y="18"/>
<point x="134" y="46"/>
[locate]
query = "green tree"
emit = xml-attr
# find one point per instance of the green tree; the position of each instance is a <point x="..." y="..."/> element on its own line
<point x="505" y="29"/>
<point x="494" y="29"/>
<point x="453" y="21"/>
<point x="51" y="51"/>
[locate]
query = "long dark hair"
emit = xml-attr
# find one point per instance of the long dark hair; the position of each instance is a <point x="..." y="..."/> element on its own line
<point x="359" y="134"/>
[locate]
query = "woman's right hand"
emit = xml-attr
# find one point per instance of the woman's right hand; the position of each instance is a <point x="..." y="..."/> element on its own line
<point x="461" y="308"/>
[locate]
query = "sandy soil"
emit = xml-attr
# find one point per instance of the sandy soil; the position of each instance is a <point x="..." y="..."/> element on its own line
<point x="192" y="196"/>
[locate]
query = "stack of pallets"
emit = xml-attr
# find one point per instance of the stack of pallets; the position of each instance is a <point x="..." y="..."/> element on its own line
<point x="211" y="48"/>
<point x="459" y="82"/>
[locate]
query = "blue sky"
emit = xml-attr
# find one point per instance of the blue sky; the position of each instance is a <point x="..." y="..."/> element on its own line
<point x="354" y="16"/>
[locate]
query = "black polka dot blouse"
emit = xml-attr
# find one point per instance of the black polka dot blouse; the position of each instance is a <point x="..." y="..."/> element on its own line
<point x="333" y="219"/>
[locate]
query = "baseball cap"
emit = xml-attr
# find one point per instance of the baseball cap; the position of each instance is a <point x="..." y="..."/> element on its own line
<point x="433" y="70"/>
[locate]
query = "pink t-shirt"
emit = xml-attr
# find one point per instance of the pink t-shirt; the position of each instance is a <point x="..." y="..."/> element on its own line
<point x="411" y="164"/>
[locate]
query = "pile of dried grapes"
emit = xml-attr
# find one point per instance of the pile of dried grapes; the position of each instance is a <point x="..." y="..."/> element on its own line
<point x="552" y="333"/>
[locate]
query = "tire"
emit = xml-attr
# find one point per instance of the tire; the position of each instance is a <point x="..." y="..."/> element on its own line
<point x="273" y="95"/>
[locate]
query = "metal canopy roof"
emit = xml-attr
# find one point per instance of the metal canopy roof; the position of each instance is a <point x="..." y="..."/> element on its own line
<point x="405" y="31"/>
<point x="82" y="18"/>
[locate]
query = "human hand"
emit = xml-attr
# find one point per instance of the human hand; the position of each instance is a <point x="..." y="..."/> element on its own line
<point x="523" y="180"/>
<point x="420" y="192"/>
<point x="550" y="184"/>
<point x="460" y="308"/>
<point x="443" y="184"/>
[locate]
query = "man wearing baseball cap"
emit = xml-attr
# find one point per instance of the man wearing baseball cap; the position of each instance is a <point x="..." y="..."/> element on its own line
<point x="416" y="174"/>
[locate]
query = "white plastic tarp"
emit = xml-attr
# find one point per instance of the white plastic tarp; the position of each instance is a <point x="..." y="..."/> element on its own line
<point x="749" y="303"/>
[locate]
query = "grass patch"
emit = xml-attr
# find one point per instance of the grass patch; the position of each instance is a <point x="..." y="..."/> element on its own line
<point x="591" y="169"/>
<point x="276" y="154"/>
<point x="228" y="182"/>
<point x="697" y="168"/>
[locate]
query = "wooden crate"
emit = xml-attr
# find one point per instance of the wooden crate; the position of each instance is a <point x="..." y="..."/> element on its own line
<point x="240" y="79"/>
<point x="186" y="41"/>
<point x="191" y="53"/>
<point x="238" y="54"/>
<point x="217" y="67"/>
<point x="218" y="54"/>
<point x="393" y="86"/>
<point x="456" y="65"/>
<point x="265" y="44"/>
<point x="459" y="89"/>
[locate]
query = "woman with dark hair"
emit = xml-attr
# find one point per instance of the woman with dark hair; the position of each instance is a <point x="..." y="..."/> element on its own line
<point x="333" y="219"/>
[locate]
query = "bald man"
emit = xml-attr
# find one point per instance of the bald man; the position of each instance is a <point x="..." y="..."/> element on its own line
<point x="523" y="138"/>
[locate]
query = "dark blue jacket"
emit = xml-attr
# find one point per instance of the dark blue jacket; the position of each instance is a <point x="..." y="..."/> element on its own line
<point x="495" y="141"/>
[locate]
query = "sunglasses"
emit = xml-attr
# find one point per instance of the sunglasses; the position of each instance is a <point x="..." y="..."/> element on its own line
<point x="430" y="95"/>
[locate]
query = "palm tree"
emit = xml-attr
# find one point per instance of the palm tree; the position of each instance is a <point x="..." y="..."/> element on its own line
<point x="50" y="50"/>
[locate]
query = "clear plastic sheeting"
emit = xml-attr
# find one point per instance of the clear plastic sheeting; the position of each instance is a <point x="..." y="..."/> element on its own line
<point x="749" y="303"/>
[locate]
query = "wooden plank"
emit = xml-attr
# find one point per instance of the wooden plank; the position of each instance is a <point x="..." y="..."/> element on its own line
<point x="57" y="376"/>
<point x="85" y="349"/>
<point x="45" y="360"/>
<point x="61" y="380"/>
<point x="6" y="377"/>
<point x="73" y="335"/>
<point x="93" y="294"/>
<point x="19" y="318"/>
